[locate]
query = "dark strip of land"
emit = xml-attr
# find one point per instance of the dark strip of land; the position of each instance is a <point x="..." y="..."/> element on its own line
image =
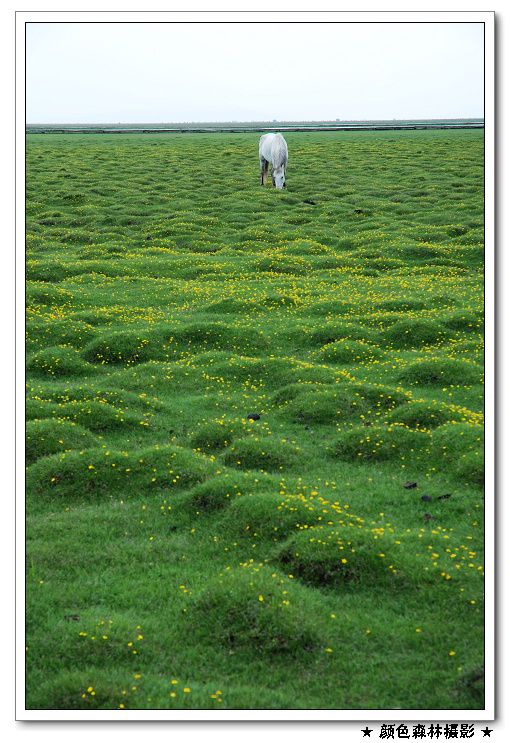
<point x="369" y="126"/>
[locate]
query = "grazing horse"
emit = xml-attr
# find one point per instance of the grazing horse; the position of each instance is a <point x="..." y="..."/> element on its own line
<point x="273" y="149"/>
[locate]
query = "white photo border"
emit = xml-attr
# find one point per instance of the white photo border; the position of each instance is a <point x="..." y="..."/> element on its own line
<point x="245" y="715"/>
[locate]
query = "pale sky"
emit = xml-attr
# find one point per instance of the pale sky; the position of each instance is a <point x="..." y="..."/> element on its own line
<point x="176" y="72"/>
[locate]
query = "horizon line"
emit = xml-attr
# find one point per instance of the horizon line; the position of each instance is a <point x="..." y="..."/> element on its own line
<point x="253" y="121"/>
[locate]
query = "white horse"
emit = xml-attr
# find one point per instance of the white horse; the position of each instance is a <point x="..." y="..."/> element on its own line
<point x="273" y="149"/>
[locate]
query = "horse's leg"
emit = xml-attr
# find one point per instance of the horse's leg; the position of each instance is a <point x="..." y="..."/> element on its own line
<point x="263" y="170"/>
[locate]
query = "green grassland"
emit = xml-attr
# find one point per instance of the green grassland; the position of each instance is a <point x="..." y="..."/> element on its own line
<point x="181" y="555"/>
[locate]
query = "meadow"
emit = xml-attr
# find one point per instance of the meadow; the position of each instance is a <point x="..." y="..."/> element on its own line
<point x="255" y="422"/>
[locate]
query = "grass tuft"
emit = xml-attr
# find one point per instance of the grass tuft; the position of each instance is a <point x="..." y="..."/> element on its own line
<point x="414" y="333"/>
<point x="349" y="352"/>
<point x="262" y="453"/>
<point x="441" y="371"/>
<point x="335" y="558"/>
<point x="52" y="436"/>
<point x="103" y="473"/>
<point x="254" y="608"/>
<point x="58" y="361"/>
<point x="379" y="444"/>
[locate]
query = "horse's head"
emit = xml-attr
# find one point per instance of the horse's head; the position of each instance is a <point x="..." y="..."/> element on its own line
<point x="279" y="177"/>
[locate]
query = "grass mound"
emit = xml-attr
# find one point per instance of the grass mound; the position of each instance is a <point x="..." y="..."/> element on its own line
<point x="279" y="300"/>
<point x="254" y="610"/>
<point x="69" y="332"/>
<point x="262" y="453"/>
<point x="423" y="415"/>
<point x="454" y="438"/>
<point x="414" y="333"/>
<point x="465" y="321"/>
<point x="126" y="347"/>
<point x="95" y="316"/>
<point x="43" y="293"/>
<point x="401" y="305"/>
<point x="379" y="443"/>
<point x="220" y="491"/>
<point x="461" y="444"/>
<point x="471" y="468"/>
<point x="97" y="416"/>
<point x="331" y="558"/>
<point x="331" y="332"/>
<point x="46" y="271"/>
<point x="266" y="515"/>
<point x="70" y="690"/>
<point x="283" y="264"/>
<point x="197" y="336"/>
<point x="292" y="391"/>
<point x="348" y="352"/>
<point x="338" y="403"/>
<point x="441" y="371"/>
<point x="330" y="308"/>
<point x="306" y="247"/>
<point x="217" y="434"/>
<point x="58" y="361"/>
<point x="233" y="305"/>
<point x="95" y="688"/>
<point x="97" y="641"/>
<point x="378" y="397"/>
<point x="330" y="405"/>
<point x="87" y="391"/>
<point x="273" y="372"/>
<point x="102" y="473"/>
<point x="46" y="437"/>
